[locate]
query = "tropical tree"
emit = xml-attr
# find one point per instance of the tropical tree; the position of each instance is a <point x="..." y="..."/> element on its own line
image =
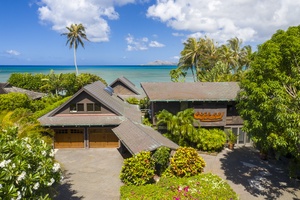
<point x="179" y="126"/>
<point x="270" y="94"/>
<point x="75" y="35"/>
<point x="190" y="56"/>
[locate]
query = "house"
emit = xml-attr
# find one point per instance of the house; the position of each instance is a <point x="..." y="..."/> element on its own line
<point x="95" y="117"/>
<point x="6" y="88"/>
<point x="213" y="103"/>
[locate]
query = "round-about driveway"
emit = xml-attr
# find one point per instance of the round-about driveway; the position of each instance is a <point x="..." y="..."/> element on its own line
<point x="90" y="173"/>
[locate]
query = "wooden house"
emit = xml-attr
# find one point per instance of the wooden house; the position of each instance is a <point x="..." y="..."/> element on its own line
<point x="214" y="103"/>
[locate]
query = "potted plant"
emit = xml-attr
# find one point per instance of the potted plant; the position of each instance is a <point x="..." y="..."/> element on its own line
<point x="231" y="138"/>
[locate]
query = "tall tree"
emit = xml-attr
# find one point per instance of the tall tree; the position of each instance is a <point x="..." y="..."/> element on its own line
<point x="270" y="93"/>
<point x="190" y="56"/>
<point x="75" y="35"/>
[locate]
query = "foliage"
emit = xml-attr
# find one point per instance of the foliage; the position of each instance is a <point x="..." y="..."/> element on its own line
<point x="231" y="137"/>
<point x="179" y="126"/>
<point x="210" y="62"/>
<point x="185" y="162"/>
<point x="133" y="100"/>
<point x="49" y="104"/>
<point x="146" y="121"/>
<point x="27" y="81"/>
<point x="269" y="97"/>
<point x="211" y="140"/>
<point x="177" y="75"/>
<point x="28" y="169"/>
<point x="161" y="158"/>
<point x="55" y="84"/>
<point x="144" y="103"/>
<point x="203" y="186"/>
<point x="12" y="101"/>
<point x="138" y="170"/>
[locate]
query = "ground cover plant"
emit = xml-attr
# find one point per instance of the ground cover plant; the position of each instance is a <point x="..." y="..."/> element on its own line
<point x="204" y="186"/>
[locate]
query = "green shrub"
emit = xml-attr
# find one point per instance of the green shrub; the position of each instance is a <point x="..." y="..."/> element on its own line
<point x="138" y="170"/>
<point x="203" y="186"/>
<point x="133" y="100"/>
<point x="185" y="162"/>
<point x="12" y="101"/>
<point x="212" y="140"/>
<point x="28" y="169"/>
<point x="161" y="158"/>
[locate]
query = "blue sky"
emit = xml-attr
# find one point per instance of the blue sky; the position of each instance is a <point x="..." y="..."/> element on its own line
<point x="132" y="31"/>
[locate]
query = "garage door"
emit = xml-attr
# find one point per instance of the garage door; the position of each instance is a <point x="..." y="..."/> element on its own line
<point x="69" y="138"/>
<point x="102" y="138"/>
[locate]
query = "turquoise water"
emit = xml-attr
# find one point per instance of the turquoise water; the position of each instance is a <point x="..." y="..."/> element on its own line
<point x="135" y="73"/>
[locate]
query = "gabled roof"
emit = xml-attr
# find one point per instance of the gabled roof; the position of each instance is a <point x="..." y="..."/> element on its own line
<point x="191" y="91"/>
<point x="127" y="83"/>
<point x="121" y="109"/>
<point x="6" y="88"/>
<point x="137" y="137"/>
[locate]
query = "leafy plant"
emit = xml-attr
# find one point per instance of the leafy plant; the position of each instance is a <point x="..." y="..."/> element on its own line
<point x="203" y="186"/>
<point x="231" y="137"/>
<point x="133" y="100"/>
<point x="28" y="169"/>
<point x="185" y="162"/>
<point x="161" y="158"/>
<point x="138" y="170"/>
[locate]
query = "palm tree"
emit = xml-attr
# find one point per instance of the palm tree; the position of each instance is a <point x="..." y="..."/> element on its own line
<point x="190" y="56"/>
<point x="75" y="35"/>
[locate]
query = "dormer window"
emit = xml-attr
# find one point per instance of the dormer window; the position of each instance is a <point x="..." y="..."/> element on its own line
<point x="79" y="107"/>
<point x="92" y="107"/>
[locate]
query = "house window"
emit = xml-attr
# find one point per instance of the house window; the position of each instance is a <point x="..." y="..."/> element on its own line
<point x="93" y="107"/>
<point x="76" y="107"/>
<point x="90" y="107"/>
<point x="80" y="107"/>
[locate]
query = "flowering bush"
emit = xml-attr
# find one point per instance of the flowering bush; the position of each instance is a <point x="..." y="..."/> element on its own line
<point x="27" y="167"/>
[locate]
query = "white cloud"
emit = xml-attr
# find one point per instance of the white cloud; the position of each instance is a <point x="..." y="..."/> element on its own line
<point x="138" y="44"/>
<point x="247" y="19"/>
<point x="155" y="44"/>
<point x="134" y="44"/>
<point x="93" y="14"/>
<point x="12" y="52"/>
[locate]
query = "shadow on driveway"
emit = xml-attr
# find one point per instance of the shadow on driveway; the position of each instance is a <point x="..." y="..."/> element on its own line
<point x="261" y="179"/>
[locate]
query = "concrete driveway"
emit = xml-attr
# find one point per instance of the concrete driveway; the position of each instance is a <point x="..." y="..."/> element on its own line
<point x="90" y="173"/>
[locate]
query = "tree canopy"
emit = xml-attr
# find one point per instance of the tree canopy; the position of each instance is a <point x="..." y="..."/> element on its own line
<point x="209" y="61"/>
<point x="270" y="93"/>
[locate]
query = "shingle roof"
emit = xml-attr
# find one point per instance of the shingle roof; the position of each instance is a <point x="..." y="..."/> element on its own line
<point x="137" y="137"/>
<point x="128" y="83"/>
<point x="96" y="90"/>
<point x="6" y="88"/>
<point x="204" y="91"/>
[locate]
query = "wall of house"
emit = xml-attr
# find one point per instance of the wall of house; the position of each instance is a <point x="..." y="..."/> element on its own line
<point x="226" y="109"/>
<point x="84" y="98"/>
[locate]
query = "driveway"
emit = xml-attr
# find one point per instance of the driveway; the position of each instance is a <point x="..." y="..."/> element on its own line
<point x="90" y="174"/>
<point x="253" y="178"/>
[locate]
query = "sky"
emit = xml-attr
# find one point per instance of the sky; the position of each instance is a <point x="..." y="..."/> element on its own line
<point x="132" y="32"/>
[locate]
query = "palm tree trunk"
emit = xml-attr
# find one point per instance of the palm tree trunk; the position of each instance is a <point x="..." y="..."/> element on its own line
<point x="75" y="61"/>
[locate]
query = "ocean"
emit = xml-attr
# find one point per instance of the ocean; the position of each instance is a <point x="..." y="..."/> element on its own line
<point x="135" y="73"/>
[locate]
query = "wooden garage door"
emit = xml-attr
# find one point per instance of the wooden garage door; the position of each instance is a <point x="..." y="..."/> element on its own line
<point x="102" y="138"/>
<point x="69" y="138"/>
